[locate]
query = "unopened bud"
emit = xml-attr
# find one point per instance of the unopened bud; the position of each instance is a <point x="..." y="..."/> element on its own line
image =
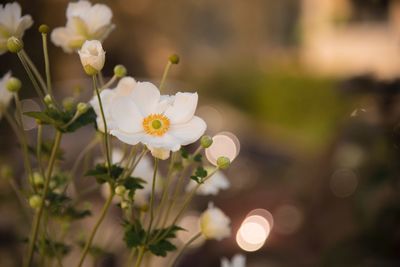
<point x="206" y="141"/>
<point x="119" y="71"/>
<point x="44" y="29"/>
<point x="174" y="59"/>
<point x="223" y="163"/>
<point x="35" y="201"/>
<point x="68" y="103"/>
<point x="14" y="45"/>
<point x="48" y="100"/>
<point x="13" y="85"/>
<point x="90" y="70"/>
<point x="82" y="108"/>
<point x="124" y="204"/>
<point x="38" y="178"/>
<point x="120" y="190"/>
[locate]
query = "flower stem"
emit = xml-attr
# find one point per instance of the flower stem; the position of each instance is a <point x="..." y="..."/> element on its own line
<point x="35" y="71"/>
<point x="47" y="65"/>
<point x="96" y="227"/>
<point x="152" y="198"/>
<point x="109" y="83"/>
<point x="191" y="240"/>
<point x="106" y="140"/>
<point x="140" y="257"/>
<point x="31" y="77"/>
<point x="38" y="216"/>
<point x="165" y="74"/>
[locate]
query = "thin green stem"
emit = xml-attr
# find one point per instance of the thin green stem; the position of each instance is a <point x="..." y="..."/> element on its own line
<point x="106" y="140"/>
<point x="109" y="83"/>
<point x="39" y="149"/>
<point x="47" y="65"/>
<point x="96" y="227"/>
<point x="31" y="77"/>
<point x="140" y="257"/>
<point x="38" y="216"/>
<point x="130" y="257"/>
<point x="153" y="191"/>
<point x="34" y="70"/>
<point x="165" y="74"/>
<point x="191" y="240"/>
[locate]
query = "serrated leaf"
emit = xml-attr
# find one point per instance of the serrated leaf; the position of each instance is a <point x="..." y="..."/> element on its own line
<point x="198" y="158"/>
<point x="196" y="179"/>
<point x="87" y="118"/>
<point x="133" y="183"/>
<point x="134" y="235"/>
<point x="100" y="172"/>
<point x="201" y="172"/>
<point x="184" y="153"/>
<point x="161" y="248"/>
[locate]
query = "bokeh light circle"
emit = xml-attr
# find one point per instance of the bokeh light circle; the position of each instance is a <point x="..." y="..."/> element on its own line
<point x="224" y="145"/>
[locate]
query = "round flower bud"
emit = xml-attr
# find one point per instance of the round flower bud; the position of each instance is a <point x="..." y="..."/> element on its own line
<point x="206" y="141"/>
<point x="38" y="179"/>
<point x="82" y="107"/>
<point x="35" y="201"/>
<point x="68" y="103"/>
<point x="223" y="163"/>
<point x="92" y="56"/>
<point x="48" y="100"/>
<point x="120" y="190"/>
<point x="14" y="45"/>
<point x="13" y="85"/>
<point x="124" y="204"/>
<point x="174" y="59"/>
<point x="44" y="29"/>
<point x="120" y="71"/>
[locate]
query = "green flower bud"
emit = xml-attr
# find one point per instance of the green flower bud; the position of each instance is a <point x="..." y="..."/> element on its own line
<point x="206" y="141"/>
<point x="38" y="179"/>
<point x="13" y="85"/>
<point x="174" y="59"/>
<point x="48" y="100"/>
<point x="120" y="190"/>
<point x="223" y="163"/>
<point x="124" y="204"/>
<point x="44" y="29"/>
<point x="35" y="201"/>
<point x="82" y="108"/>
<point x="68" y="103"/>
<point x="14" y="45"/>
<point x="120" y="71"/>
<point x="90" y="70"/>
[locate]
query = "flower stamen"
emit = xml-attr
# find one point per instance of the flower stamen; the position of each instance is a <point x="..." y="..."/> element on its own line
<point x="156" y="124"/>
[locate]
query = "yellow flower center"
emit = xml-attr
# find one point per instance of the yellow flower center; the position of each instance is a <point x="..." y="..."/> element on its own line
<point x="156" y="124"/>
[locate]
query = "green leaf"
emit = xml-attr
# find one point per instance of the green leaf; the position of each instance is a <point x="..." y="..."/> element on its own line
<point x="161" y="248"/>
<point x="87" y="118"/>
<point x="100" y="172"/>
<point x="201" y="172"/>
<point x="184" y="153"/>
<point x="198" y="158"/>
<point x="134" y="235"/>
<point x="133" y="183"/>
<point x="196" y="179"/>
<point x="53" y="248"/>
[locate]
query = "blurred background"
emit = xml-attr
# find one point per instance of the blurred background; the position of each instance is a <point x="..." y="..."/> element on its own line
<point x="310" y="88"/>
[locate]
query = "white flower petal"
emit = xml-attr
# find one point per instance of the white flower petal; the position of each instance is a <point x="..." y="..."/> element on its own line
<point x="146" y="96"/>
<point x="24" y="23"/>
<point x="125" y="86"/>
<point x="131" y="138"/>
<point x="10" y="16"/>
<point x="78" y="9"/>
<point x="183" y="107"/>
<point x="166" y="141"/>
<point x="61" y="36"/>
<point x="188" y="132"/>
<point x="98" y="16"/>
<point x="126" y="115"/>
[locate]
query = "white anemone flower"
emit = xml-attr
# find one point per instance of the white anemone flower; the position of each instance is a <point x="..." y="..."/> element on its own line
<point x="92" y="56"/>
<point x="84" y="22"/>
<point x="5" y="95"/>
<point x="238" y="260"/>
<point x="124" y="88"/>
<point x="144" y="116"/>
<point x="214" y="224"/>
<point x="211" y="186"/>
<point x="12" y="23"/>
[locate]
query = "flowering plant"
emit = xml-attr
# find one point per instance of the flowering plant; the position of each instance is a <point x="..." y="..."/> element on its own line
<point x="124" y="112"/>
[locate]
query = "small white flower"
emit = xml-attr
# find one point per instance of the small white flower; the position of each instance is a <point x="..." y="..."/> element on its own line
<point x="5" y="95"/>
<point x="12" y="24"/>
<point x="166" y="122"/>
<point x="92" y="56"/>
<point x="214" y="224"/>
<point x="212" y="185"/>
<point x="238" y="260"/>
<point x="123" y="89"/>
<point x="84" y="22"/>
